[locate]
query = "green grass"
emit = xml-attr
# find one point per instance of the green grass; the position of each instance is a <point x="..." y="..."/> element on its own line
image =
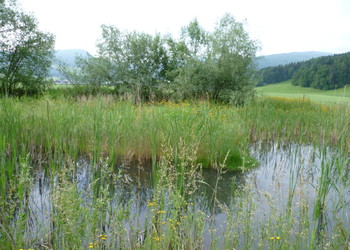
<point x="53" y="133"/>
<point x="286" y="89"/>
<point x="48" y="129"/>
<point x="280" y="119"/>
<point x="101" y="126"/>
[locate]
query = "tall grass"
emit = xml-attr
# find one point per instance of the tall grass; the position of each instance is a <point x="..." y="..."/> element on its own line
<point x="298" y="120"/>
<point x="102" y="127"/>
<point x="180" y="139"/>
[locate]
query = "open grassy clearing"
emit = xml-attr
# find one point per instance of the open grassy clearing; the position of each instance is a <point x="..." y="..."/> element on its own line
<point x="286" y="89"/>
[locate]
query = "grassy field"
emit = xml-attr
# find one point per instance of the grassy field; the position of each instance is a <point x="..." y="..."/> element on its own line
<point x="286" y="89"/>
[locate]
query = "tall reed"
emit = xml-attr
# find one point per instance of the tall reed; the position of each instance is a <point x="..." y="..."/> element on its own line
<point x="180" y="139"/>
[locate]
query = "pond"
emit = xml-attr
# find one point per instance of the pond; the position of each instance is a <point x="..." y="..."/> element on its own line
<point x="308" y="185"/>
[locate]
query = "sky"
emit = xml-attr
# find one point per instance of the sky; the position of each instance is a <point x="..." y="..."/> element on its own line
<point x="280" y="26"/>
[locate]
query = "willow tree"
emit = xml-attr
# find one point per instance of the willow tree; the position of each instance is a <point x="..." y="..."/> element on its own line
<point x="133" y="62"/>
<point x="25" y="52"/>
<point x="220" y="63"/>
<point x="217" y="64"/>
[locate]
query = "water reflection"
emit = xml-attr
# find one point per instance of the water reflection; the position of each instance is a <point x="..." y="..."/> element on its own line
<point x="286" y="175"/>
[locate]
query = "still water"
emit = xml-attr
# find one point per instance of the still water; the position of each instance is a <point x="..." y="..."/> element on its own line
<point x="286" y="176"/>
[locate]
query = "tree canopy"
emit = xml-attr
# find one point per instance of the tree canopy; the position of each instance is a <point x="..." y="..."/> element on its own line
<point x="278" y="73"/>
<point x="217" y="64"/>
<point x="25" y="52"/>
<point x="327" y="72"/>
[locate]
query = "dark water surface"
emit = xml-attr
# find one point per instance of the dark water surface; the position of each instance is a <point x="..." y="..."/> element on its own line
<point x="286" y="175"/>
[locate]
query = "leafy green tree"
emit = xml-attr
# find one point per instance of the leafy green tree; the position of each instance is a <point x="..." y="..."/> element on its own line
<point x="220" y="63"/>
<point x="70" y="73"/>
<point x="216" y="64"/>
<point x="196" y="40"/>
<point x="25" y="52"/>
<point x="328" y="72"/>
<point x="133" y="62"/>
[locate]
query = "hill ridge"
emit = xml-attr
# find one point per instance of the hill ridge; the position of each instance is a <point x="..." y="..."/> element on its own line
<point x="286" y="58"/>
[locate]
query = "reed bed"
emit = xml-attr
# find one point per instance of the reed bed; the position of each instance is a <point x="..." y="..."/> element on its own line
<point x="97" y="127"/>
<point x="179" y="139"/>
<point x="298" y="120"/>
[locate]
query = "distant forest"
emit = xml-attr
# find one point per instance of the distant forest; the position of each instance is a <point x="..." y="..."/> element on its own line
<point x="327" y="72"/>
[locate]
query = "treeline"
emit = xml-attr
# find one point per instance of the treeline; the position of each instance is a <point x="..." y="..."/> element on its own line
<point x="217" y="65"/>
<point x="277" y="74"/>
<point x="328" y="72"/>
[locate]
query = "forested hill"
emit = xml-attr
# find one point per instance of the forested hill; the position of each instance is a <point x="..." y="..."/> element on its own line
<point x="327" y="72"/>
<point x="286" y="58"/>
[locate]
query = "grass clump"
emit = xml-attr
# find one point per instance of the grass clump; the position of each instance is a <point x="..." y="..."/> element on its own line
<point x="97" y="127"/>
<point x="298" y="120"/>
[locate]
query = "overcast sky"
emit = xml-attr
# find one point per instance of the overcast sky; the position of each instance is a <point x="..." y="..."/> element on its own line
<point x="279" y="25"/>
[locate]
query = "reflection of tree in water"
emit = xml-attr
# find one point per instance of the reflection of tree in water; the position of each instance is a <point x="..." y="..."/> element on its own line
<point x="139" y="187"/>
<point x="134" y="185"/>
<point x="227" y="185"/>
<point x="131" y="185"/>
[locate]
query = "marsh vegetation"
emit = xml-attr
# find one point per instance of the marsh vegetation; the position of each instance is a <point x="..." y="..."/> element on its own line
<point x="161" y="143"/>
<point x="100" y="173"/>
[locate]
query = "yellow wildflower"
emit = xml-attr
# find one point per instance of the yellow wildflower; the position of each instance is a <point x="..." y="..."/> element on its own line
<point x="161" y="212"/>
<point x="150" y="204"/>
<point x="156" y="238"/>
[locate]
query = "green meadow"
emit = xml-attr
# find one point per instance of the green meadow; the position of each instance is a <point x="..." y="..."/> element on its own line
<point x="286" y="89"/>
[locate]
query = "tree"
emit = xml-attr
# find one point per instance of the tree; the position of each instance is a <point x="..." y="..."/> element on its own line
<point x="220" y="63"/>
<point x="196" y="40"/>
<point x="25" y="52"/>
<point x="216" y="64"/>
<point x="70" y="73"/>
<point x="134" y="62"/>
<point x="328" y="72"/>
